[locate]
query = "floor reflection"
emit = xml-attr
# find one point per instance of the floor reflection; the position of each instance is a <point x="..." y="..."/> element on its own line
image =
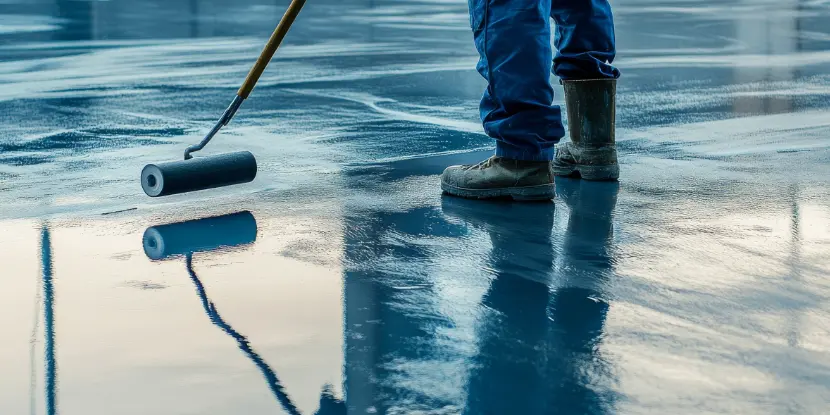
<point x="538" y="327"/>
<point x="201" y="235"/>
<point x="384" y="327"/>
<point x="219" y="233"/>
<point x="268" y="373"/>
<point x="540" y="349"/>
<point x="450" y="306"/>
<point x="51" y="365"/>
<point x="775" y="34"/>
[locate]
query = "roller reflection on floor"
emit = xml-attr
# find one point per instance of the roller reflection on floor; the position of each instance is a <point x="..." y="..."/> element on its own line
<point x="51" y="371"/>
<point x="270" y="376"/>
<point x="201" y="235"/>
<point x="211" y="234"/>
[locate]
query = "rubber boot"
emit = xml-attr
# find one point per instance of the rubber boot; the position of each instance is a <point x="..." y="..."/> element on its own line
<point x="592" y="151"/>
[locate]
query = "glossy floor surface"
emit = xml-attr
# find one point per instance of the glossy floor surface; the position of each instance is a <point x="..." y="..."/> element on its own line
<point x="341" y="281"/>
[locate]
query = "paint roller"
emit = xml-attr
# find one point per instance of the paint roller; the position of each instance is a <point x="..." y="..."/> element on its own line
<point x="201" y="173"/>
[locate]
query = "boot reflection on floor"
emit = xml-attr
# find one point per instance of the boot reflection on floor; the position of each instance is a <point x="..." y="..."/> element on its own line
<point x="579" y="309"/>
<point x="508" y="374"/>
<point x="539" y="351"/>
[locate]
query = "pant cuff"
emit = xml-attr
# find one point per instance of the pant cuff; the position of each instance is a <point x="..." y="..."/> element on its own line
<point x="514" y="153"/>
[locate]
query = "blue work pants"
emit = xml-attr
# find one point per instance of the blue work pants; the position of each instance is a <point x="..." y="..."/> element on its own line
<point x="516" y="59"/>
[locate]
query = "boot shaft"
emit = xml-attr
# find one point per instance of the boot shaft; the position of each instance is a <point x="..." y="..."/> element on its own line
<point x="591" y="111"/>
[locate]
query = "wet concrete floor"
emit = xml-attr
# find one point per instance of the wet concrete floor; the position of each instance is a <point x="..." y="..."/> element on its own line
<point x="341" y="281"/>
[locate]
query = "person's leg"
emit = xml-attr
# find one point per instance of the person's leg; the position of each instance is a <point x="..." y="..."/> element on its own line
<point x="513" y="41"/>
<point x="585" y="50"/>
<point x="584" y="40"/>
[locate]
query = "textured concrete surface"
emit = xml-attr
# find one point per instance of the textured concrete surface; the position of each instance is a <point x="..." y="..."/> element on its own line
<point x="698" y="284"/>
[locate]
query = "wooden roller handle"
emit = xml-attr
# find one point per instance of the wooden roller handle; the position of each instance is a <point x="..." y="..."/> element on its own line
<point x="270" y="48"/>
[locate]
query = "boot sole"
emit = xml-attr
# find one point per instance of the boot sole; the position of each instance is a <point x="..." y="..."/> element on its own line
<point x="609" y="172"/>
<point x="528" y="193"/>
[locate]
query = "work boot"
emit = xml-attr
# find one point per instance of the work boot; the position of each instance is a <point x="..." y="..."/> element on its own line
<point x="499" y="177"/>
<point x="592" y="152"/>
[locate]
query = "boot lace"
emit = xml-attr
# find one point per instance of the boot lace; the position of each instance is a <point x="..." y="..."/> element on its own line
<point x="484" y="164"/>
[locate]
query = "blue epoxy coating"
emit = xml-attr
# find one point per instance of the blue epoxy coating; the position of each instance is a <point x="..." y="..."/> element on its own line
<point x="698" y="284"/>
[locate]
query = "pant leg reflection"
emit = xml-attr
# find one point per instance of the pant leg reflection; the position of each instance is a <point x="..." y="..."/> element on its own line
<point x="508" y="375"/>
<point x="539" y="352"/>
<point x="579" y="374"/>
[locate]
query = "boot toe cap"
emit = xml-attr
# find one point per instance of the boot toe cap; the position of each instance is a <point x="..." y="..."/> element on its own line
<point x="453" y="175"/>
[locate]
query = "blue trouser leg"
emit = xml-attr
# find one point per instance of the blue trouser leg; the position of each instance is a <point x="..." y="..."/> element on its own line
<point x="513" y="41"/>
<point x="584" y="39"/>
